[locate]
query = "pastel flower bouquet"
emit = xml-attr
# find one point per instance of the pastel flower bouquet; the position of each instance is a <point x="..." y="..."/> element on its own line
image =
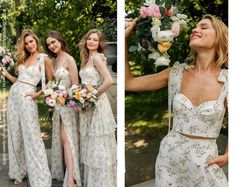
<point x="84" y="96"/>
<point x="157" y="28"/>
<point x="55" y="95"/>
<point x="6" y="59"/>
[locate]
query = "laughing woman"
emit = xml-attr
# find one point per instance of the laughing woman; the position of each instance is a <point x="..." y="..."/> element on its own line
<point x="188" y="155"/>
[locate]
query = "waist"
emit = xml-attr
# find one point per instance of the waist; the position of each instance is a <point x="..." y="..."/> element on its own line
<point x="197" y="137"/>
<point x="28" y="83"/>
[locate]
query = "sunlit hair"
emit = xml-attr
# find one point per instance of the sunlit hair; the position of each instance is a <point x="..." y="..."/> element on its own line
<point x="221" y="43"/>
<point x="22" y="53"/>
<point x="56" y="35"/>
<point x="84" y="51"/>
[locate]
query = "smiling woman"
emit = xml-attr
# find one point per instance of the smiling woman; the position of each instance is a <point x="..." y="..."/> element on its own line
<point x="27" y="152"/>
<point x="197" y="90"/>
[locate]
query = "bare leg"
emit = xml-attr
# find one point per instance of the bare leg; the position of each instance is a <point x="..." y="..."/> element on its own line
<point x="68" y="156"/>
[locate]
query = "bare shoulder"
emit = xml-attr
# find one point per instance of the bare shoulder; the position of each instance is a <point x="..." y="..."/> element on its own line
<point x="100" y="59"/>
<point x="70" y="59"/>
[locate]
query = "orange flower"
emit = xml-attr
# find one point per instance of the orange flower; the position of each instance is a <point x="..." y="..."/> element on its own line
<point x="77" y="95"/>
<point x="164" y="46"/>
<point x="62" y="100"/>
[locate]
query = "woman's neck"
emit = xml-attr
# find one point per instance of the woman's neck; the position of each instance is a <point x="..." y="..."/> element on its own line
<point x="206" y="62"/>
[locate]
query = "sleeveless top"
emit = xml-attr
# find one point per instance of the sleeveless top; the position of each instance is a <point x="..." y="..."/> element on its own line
<point x="33" y="74"/>
<point x="89" y="74"/>
<point x="204" y="120"/>
<point x="61" y="74"/>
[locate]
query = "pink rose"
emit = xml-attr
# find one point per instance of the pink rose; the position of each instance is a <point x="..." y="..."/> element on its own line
<point x="175" y="29"/>
<point x="143" y="12"/>
<point x="170" y="12"/>
<point x="153" y="10"/>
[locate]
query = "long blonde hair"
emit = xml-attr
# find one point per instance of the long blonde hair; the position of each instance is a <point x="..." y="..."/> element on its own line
<point x="84" y="51"/>
<point x="221" y="43"/>
<point x="22" y="53"/>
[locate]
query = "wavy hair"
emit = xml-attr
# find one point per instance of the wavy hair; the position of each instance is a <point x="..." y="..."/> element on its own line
<point x="221" y="43"/>
<point x="84" y="51"/>
<point x="57" y="36"/>
<point x="22" y="53"/>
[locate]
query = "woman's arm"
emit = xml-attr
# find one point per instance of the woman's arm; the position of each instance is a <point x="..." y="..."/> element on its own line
<point x="6" y="74"/>
<point x="142" y="83"/>
<point x="104" y="72"/>
<point x="48" y="69"/>
<point x="73" y="70"/>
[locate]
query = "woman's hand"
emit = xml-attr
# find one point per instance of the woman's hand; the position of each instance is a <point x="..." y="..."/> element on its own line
<point x="221" y="160"/>
<point x="129" y="26"/>
<point x="3" y="71"/>
<point x="34" y="95"/>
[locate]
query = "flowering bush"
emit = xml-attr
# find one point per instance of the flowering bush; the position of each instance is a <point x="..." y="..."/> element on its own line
<point x="157" y="28"/>
<point x="55" y="95"/>
<point x="85" y="96"/>
<point x="6" y="59"/>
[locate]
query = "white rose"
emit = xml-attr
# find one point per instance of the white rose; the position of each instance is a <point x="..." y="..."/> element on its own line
<point x="81" y="100"/>
<point x="149" y="2"/>
<point x="165" y="36"/>
<point x="155" y="30"/>
<point x="162" y="61"/>
<point x="155" y="55"/>
<point x="48" y="92"/>
<point x="51" y="102"/>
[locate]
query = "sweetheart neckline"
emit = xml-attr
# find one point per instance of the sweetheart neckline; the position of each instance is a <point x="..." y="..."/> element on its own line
<point x="201" y="104"/>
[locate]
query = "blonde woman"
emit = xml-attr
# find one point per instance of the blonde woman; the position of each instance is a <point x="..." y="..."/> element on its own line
<point x="97" y="126"/>
<point x="188" y="155"/>
<point x="27" y="154"/>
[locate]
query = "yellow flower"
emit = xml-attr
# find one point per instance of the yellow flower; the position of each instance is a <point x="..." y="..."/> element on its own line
<point x="62" y="100"/>
<point x="77" y="95"/>
<point x="164" y="46"/>
<point x="156" y="21"/>
<point x="53" y="95"/>
<point x="90" y="88"/>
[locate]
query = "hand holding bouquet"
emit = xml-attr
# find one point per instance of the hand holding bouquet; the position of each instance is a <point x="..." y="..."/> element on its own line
<point x="157" y="28"/>
<point x="85" y="96"/>
<point x="55" y="95"/>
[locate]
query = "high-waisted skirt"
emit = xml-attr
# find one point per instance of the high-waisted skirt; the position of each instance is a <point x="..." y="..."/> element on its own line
<point x="181" y="162"/>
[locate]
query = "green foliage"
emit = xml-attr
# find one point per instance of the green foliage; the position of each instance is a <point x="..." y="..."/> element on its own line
<point x="72" y="18"/>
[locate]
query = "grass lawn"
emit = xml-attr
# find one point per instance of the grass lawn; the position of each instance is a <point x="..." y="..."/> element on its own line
<point x="146" y="121"/>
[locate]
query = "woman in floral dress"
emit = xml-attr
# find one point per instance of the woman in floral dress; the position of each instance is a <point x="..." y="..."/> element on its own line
<point x="97" y="126"/>
<point x="27" y="154"/>
<point x="64" y="132"/>
<point x="188" y="155"/>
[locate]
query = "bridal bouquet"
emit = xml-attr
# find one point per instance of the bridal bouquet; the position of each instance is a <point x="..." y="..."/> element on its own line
<point x="157" y="28"/>
<point x="55" y="95"/>
<point x="6" y="59"/>
<point x="85" y="96"/>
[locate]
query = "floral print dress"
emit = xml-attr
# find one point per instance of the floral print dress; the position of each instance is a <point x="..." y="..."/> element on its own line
<point x="181" y="161"/>
<point x="68" y="117"/>
<point x="97" y="135"/>
<point x="26" y="149"/>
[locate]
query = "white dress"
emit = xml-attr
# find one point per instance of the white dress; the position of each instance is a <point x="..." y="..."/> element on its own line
<point x="69" y="118"/>
<point x="97" y="136"/>
<point x="26" y="149"/>
<point x="181" y="161"/>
